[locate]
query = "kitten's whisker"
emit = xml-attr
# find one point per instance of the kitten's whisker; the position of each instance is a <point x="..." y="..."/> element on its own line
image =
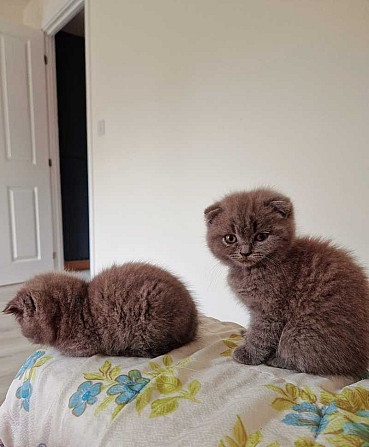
<point x="214" y="273"/>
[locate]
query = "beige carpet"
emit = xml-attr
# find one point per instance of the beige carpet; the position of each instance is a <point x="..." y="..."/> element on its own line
<point x="14" y="348"/>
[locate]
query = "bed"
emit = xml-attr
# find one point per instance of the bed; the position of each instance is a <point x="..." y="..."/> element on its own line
<point x="193" y="396"/>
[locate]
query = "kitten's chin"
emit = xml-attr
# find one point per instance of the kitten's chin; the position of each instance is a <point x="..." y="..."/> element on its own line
<point x="39" y="335"/>
<point x="246" y="263"/>
<point x="31" y="337"/>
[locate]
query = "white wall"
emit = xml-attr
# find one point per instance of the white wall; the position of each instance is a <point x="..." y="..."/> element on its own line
<point x="32" y="14"/>
<point x="203" y="97"/>
<point x="12" y="10"/>
<point x="41" y="13"/>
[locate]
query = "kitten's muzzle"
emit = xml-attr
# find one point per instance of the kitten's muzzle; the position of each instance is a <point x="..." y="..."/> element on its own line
<point x="245" y="251"/>
<point x="245" y="256"/>
<point x="244" y="260"/>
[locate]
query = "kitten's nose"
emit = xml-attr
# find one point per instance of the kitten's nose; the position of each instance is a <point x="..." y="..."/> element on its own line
<point x="245" y="250"/>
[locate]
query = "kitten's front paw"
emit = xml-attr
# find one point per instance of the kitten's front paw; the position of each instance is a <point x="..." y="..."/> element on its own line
<point x="275" y="361"/>
<point x="244" y="356"/>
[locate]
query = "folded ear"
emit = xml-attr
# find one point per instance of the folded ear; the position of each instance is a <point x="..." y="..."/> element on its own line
<point x="283" y="206"/>
<point x="20" y="303"/>
<point x="13" y="308"/>
<point x="212" y="211"/>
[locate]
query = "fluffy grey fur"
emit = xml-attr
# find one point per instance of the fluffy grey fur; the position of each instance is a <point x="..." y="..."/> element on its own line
<point x="308" y="299"/>
<point x="132" y="310"/>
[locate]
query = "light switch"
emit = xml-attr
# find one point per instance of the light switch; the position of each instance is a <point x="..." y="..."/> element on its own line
<point x="101" y="128"/>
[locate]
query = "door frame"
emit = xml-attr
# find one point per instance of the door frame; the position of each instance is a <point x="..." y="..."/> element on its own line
<point x="55" y="24"/>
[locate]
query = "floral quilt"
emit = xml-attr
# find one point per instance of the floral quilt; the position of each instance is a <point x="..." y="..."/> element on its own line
<point x="193" y="396"/>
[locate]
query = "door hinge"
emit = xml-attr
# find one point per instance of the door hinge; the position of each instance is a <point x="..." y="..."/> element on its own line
<point x="50" y="162"/>
<point x="54" y="254"/>
<point x="45" y="59"/>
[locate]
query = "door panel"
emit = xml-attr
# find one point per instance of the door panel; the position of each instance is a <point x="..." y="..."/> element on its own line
<point x="17" y="99"/>
<point x="25" y="199"/>
<point x="24" y="223"/>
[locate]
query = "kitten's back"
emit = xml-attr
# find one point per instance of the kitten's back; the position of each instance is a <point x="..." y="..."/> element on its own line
<point x="328" y="328"/>
<point x="331" y="266"/>
<point x="144" y="308"/>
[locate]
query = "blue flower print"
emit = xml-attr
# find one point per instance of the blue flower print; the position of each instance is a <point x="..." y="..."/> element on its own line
<point x="129" y="386"/>
<point x="86" y="394"/>
<point x="24" y="393"/>
<point x="358" y="429"/>
<point x="29" y="363"/>
<point x="310" y="415"/>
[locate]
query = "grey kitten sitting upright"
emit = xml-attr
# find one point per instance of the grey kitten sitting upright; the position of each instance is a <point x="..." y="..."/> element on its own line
<point x="132" y="310"/>
<point x="308" y="300"/>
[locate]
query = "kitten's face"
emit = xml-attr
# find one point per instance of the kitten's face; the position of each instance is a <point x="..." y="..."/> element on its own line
<point x="40" y="305"/>
<point x="250" y="228"/>
<point x="34" y="311"/>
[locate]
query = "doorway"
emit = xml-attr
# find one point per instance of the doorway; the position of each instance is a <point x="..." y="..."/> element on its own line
<point x="72" y="134"/>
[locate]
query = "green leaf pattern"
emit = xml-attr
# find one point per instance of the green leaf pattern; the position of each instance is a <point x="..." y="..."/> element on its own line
<point x="121" y="389"/>
<point x="319" y="417"/>
<point x="165" y="382"/>
<point x="242" y="439"/>
<point x="231" y="343"/>
<point x="341" y="419"/>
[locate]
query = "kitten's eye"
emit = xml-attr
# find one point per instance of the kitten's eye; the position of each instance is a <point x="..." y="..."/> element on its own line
<point x="230" y="238"/>
<point x="261" y="237"/>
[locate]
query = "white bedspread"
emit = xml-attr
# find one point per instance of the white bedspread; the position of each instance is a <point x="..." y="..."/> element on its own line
<point x="194" y="396"/>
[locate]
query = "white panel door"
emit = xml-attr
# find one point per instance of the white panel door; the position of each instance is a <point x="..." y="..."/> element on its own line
<point x="26" y="245"/>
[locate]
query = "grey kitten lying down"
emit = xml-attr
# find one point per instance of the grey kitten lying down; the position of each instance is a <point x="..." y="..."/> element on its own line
<point x="132" y="310"/>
